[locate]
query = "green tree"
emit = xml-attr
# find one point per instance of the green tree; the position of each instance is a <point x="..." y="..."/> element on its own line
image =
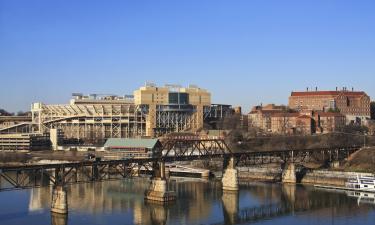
<point x="335" y="110"/>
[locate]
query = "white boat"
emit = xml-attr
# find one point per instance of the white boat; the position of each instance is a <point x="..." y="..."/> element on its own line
<point x="361" y="183"/>
<point x="362" y="197"/>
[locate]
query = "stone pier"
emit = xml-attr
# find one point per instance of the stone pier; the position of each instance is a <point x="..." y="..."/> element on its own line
<point x="289" y="173"/>
<point x="335" y="164"/>
<point x="59" y="200"/>
<point x="230" y="177"/>
<point x="158" y="190"/>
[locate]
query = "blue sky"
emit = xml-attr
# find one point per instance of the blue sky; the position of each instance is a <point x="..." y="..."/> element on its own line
<point x="245" y="52"/>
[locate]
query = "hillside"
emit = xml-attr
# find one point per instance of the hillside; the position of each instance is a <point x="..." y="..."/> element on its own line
<point x="362" y="161"/>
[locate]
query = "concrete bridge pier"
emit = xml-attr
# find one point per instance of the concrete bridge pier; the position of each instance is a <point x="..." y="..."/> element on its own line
<point x="335" y="164"/>
<point x="59" y="202"/>
<point x="158" y="190"/>
<point x="289" y="173"/>
<point x="230" y="177"/>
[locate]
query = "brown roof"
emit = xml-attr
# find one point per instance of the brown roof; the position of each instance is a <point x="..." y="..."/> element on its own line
<point x="271" y="111"/>
<point x="304" y="117"/>
<point x="329" y="93"/>
<point x="285" y="115"/>
<point x="329" y="114"/>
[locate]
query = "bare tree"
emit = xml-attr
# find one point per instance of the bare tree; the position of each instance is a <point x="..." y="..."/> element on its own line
<point x="285" y="123"/>
<point x="330" y="124"/>
<point x="300" y="127"/>
<point x="371" y="127"/>
<point x="3" y="112"/>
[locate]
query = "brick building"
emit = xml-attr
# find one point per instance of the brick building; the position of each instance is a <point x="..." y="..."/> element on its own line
<point x="329" y="121"/>
<point x="355" y="105"/>
<point x="260" y="116"/>
<point x="280" y="120"/>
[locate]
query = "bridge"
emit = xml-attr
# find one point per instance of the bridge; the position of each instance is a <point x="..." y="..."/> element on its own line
<point x="174" y="149"/>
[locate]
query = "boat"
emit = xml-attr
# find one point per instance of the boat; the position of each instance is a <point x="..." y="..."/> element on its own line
<point x="362" y="197"/>
<point x="361" y="183"/>
<point x="357" y="183"/>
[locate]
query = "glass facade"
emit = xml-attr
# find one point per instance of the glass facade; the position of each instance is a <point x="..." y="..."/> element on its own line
<point x="178" y="98"/>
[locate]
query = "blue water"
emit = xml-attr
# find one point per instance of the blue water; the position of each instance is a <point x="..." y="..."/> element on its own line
<point x="198" y="202"/>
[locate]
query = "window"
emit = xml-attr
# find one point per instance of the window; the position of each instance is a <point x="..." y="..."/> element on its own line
<point x="178" y="98"/>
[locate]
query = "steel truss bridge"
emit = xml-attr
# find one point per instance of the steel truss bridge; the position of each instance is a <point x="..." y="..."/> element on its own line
<point x="174" y="149"/>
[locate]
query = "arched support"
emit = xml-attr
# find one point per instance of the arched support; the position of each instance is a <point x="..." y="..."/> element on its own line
<point x="158" y="190"/>
<point x="289" y="173"/>
<point x="59" y="202"/>
<point x="230" y="177"/>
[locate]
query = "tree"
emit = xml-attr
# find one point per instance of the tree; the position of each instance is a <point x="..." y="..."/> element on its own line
<point x="355" y="129"/>
<point x="329" y="124"/>
<point x="335" y="110"/>
<point x="22" y="113"/>
<point x="232" y="122"/>
<point x="300" y="127"/>
<point x="285" y="123"/>
<point x="371" y="127"/>
<point x="3" y="112"/>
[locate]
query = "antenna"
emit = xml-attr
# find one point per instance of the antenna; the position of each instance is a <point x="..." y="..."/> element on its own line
<point x="150" y="84"/>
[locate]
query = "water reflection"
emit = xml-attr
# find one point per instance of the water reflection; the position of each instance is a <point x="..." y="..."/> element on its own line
<point x="200" y="202"/>
<point x="59" y="219"/>
<point x="230" y="207"/>
<point x="362" y="197"/>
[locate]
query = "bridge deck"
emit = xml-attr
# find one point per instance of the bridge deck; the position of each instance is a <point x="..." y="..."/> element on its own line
<point x="27" y="176"/>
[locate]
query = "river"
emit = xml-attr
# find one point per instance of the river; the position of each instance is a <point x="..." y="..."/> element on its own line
<point x="198" y="202"/>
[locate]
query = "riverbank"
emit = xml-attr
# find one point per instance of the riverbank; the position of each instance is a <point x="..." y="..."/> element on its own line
<point x="319" y="177"/>
<point x="13" y="158"/>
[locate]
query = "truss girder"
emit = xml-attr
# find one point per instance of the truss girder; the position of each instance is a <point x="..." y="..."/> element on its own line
<point x="39" y="175"/>
<point x="101" y="120"/>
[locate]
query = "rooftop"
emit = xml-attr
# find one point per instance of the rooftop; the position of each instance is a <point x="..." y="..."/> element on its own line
<point x="327" y="93"/>
<point x="131" y="142"/>
<point x="329" y="114"/>
<point x="286" y="114"/>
